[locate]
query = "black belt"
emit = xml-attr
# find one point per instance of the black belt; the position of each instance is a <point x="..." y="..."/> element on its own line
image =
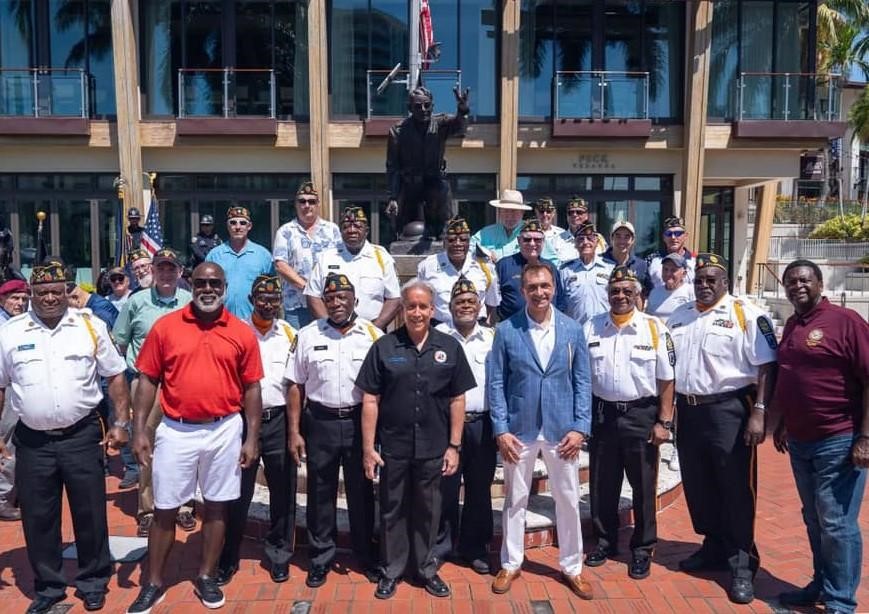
<point x="69" y="430"/>
<point x="623" y="406"/>
<point x="708" y="399"/>
<point x="333" y="412"/>
<point x="203" y="421"/>
<point x="473" y="416"/>
<point x="272" y="412"/>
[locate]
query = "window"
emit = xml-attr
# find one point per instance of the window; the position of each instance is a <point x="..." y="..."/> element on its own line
<point x="620" y="36"/>
<point x="72" y="41"/>
<point x="761" y="37"/>
<point x="373" y="35"/>
<point x="190" y="43"/>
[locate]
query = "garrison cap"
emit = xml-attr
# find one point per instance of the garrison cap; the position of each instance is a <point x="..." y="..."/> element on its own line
<point x="585" y="228"/>
<point x="531" y="226"/>
<point x="674" y="221"/>
<point x="307" y="187"/>
<point x="265" y="284"/>
<point x="576" y="202"/>
<point x="458" y="226"/>
<point x="354" y="213"/>
<point x="337" y="282"/>
<point x="544" y="204"/>
<point x="623" y="273"/>
<point x="705" y="260"/>
<point x="236" y="212"/>
<point x="462" y="286"/>
<point x="49" y="272"/>
<point x="166" y="254"/>
<point x="138" y="254"/>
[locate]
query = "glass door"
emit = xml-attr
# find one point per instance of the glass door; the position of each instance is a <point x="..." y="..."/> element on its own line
<point x="716" y="223"/>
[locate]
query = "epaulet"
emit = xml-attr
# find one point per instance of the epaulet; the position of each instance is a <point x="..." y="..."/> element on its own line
<point x="86" y="317"/>
<point x="372" y="331"/>
<point x="378" y="255"/>
<point x="653" y="329"/>
<point x="739" y="308"/>
<point x="484" y="265"/>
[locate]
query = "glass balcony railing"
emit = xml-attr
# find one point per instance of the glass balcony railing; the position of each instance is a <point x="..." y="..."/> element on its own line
<point x="601" y="94"/>
<point x="226" y="92"/>
<point x="44" y="92"/>
<point x="789" y="97"/>
<point x="392" y="100"/>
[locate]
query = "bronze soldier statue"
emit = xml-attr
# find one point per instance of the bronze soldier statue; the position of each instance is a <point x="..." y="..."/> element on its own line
<point x="415" y="165"/>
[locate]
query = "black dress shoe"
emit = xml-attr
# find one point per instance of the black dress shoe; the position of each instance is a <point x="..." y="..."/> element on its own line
<point x="598" y="556"/>
<point x="94" y="601"/>
<point x="807" y="596"/>
<point x="437" y="587"/>
<point x="480" y="565"/>
<point x="701" y="561"/>
<point x="280" y="572"/>
<point x="317" y="576"/>
<point x="372" y="574"/>
<point x="640" y="567"/>
<point x="225" y="574"/>
<point x="42" y="604"/>
<point x="741" y="591"/>
<point x="386" y="587"/>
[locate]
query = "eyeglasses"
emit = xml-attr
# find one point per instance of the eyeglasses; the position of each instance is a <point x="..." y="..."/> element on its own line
<point x="306" y="201"/>
<point x="628" y="292"/>
<point x="673" y="233"/>
<point x="546" y="209"/>
<point x="422" y="106"/>
<point x="531" y="239"/>
<point x="116" y="278"/>
<point x="267" y="300"/>
<point x="458" y="239"/>
<point x="355" y="225"/>
<point x="201" y="284"/>
<point x="241" y="223"/>
<point x="576" y="212"/>
<point x="586" y="239"/>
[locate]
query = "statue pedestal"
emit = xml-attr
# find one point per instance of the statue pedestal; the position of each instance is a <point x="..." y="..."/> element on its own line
<point x="408" y="255"/>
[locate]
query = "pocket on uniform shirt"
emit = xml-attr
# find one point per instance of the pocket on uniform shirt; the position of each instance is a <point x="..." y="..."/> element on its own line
<point x="370" y="286"/>
<point x="597" y="359"/>
<point x="79" y="366"/>
<point x="29" y="370"/>
<point x="719" y="343"/>
<point x="324" y="365"/>
<point x="642" y="364"/>
<point x="358" y="357"/>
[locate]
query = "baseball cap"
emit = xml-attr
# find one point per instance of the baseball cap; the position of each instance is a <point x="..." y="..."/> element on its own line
<point x="675" y="258"/>
<point x="623" y="224"/>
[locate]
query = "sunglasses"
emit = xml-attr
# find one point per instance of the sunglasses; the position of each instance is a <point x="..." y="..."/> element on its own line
<point x="531" y="240"/>
<point x="241" y="223"/>
<point x="422" y="106"/>
<point x="267" y="300"/>
<point x="673" y="233"/>
<point x="546" y="209"/>
<point x="116" y="278"/>
<point x="306" y="201"/>
<point x="458" y="239"/>
<point x="587" y="239"/>
<point x="576" y="211"/>
<point x="201" y="284"/>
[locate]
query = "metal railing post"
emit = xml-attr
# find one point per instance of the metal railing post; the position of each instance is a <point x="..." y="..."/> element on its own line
<point x="181" y="110"/>
<point x="787" y="95"/>
<point x="35" y="93"/>
<point x="602" y="84"/>
<point x="829" y="99"/>
<point x="84" y="94"/>
<point x="226" y="92"/>
<point x="273" y="94"/>
<point x="368" y="92"/>
<point x="646" y="96"/>
<point x="556" y="84"/>
<point x="741" y="94"/>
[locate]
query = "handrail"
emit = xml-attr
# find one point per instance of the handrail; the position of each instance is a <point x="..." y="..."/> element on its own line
<point x="228" y="109"/>
<point x="809" y="95"/>
<point x="597" y="104"/>
<point x="42" y="99"/>
<point x="630" y="73"/>
<point x="750" y="73"/>
<point x="227" y="69"/>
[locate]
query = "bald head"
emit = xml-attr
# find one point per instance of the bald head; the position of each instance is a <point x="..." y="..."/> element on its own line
<point x="209" y="289"/>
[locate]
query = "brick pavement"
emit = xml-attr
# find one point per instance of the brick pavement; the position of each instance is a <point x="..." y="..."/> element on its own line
<point x="780" y="534"/>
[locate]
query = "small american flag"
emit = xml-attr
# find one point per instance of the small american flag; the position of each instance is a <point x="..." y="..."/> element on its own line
<point x="152" y="235"/>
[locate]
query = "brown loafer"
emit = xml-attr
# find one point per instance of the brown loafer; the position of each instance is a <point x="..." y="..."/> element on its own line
<point x="580" y="587"/>
<point x="503" y="580"/>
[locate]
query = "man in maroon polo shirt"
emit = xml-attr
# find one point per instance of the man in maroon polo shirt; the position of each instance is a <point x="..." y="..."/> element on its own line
<point x="823" y="401"/>
<point x="208" y="364"/>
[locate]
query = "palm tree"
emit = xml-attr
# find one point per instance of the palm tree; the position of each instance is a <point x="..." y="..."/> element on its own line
<point x="858" y="117"/>
<point x="834" y="17"/>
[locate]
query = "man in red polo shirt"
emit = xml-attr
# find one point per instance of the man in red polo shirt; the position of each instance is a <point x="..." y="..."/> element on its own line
<point x="208" y="364"/>
<point x="823" y="400"/>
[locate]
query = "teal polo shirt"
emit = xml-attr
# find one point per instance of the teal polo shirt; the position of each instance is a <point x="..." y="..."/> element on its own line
<point x="138" y="315"/>
<point x="496" y="241"/>
<point x="241" y="268"/>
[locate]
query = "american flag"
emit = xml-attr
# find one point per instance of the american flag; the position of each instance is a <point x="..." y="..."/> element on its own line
<point x="152" y="235"/>
<point x="426" y="32"/>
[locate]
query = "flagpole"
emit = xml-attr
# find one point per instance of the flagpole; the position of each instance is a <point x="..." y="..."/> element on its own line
<point x="413" y="55"/>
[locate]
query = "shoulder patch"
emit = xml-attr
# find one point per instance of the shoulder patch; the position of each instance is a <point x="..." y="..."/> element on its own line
<point x="765" y="328"/>
<point x="671" y="349"/>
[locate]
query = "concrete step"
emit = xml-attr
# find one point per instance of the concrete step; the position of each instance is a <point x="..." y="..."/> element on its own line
<point x="540" y="518"/>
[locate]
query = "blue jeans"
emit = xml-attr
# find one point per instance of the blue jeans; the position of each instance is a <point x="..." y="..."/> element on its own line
<point x="831" y="490"/>
<point x="298" y="317"/>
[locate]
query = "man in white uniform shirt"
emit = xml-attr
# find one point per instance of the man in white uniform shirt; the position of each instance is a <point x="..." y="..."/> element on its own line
<point x="369" y="268"/>
<point x="277" y="341"/>
<point x="443" y="270"/>
<point x="51" y="361"/>
<point x="324" y="369"/>
<point x="472" y="533"/>
<point x="584" y="279"/>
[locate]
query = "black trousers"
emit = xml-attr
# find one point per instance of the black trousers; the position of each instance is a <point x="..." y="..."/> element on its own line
<point x="620" y="447"/>
<point x="280" y="473"/>
<point x="476" y="470"/>
<point x="46" y="466"/>
<point x="332" y="443"/>
<point x="719" y="476"/>
<point x="410" y="510"/>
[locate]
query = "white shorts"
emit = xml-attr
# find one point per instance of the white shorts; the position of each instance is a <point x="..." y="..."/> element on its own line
<point x="187" y="455"/>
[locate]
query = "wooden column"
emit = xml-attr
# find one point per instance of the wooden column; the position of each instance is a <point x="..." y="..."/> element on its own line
<point x="318" y="84"/>
<point x="763" y="220"/>
<point x="509" y="94"/>
<point x="126" y="68"/>
<point x="698" y="45"/>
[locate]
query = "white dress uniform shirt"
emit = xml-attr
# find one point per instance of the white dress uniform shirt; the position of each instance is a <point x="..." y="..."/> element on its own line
<point x="295" y="246"/>
<point x="276" y="350"/>
<point x="555" y="248"/>
<point x="477" y="347"/>
<point x="326" y="362"/>
<point x="371" y="271"/>
<point x="662" y="302"/>
<point x="54" y="374"/>
<point x="442" y="275"/>
<point x="626" y="362"/>
<point x="715" y="352"/>
<point x="585" y="288"/>
<point x="543" y="337"/>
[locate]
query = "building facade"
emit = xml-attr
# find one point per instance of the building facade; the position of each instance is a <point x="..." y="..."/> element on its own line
<point x="644" y="107"/>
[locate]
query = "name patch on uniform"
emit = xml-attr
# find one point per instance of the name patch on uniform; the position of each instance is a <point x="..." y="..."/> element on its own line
<point x="671" y="349"/>
<point x="723" y="323"/>
<point x="396" y="360"/>
<point x="440" y="356"/>
<point x="676" y="325"/>
<point x="594" y="344"/>
<point x="334" y="266"/>
<point x="604" y="276"/>
<point x="766" y="330"/>
<point x="318" y="348"/>
<point x="642" y="347"/>
<point x="28" y="346"/>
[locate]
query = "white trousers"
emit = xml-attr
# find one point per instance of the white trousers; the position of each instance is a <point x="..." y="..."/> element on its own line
<point x="564" y="486"/>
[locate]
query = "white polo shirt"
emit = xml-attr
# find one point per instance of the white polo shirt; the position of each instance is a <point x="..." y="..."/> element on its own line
<point x="371" y="271"/>
<point x="720" y="350"/>
<point x="327" y="362"/>
<point x="54" y="374"/>
<point x="477" y="347"/>
<point x="276" y="350"/>
<point x="626" y="362"/>
<point x="442" y="275"/>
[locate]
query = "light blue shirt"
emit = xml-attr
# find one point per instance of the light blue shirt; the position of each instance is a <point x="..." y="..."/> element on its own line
<point x="585" y="288"/>
<point x="241" y="269"/>
<point x="495" y="240"/>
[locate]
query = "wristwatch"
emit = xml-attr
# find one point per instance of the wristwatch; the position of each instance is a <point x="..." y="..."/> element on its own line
<point x="121" y="423"/>
<point x="455" y="446"/>
<point x="759" y="405"/>
<point x="667" y="424"/>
